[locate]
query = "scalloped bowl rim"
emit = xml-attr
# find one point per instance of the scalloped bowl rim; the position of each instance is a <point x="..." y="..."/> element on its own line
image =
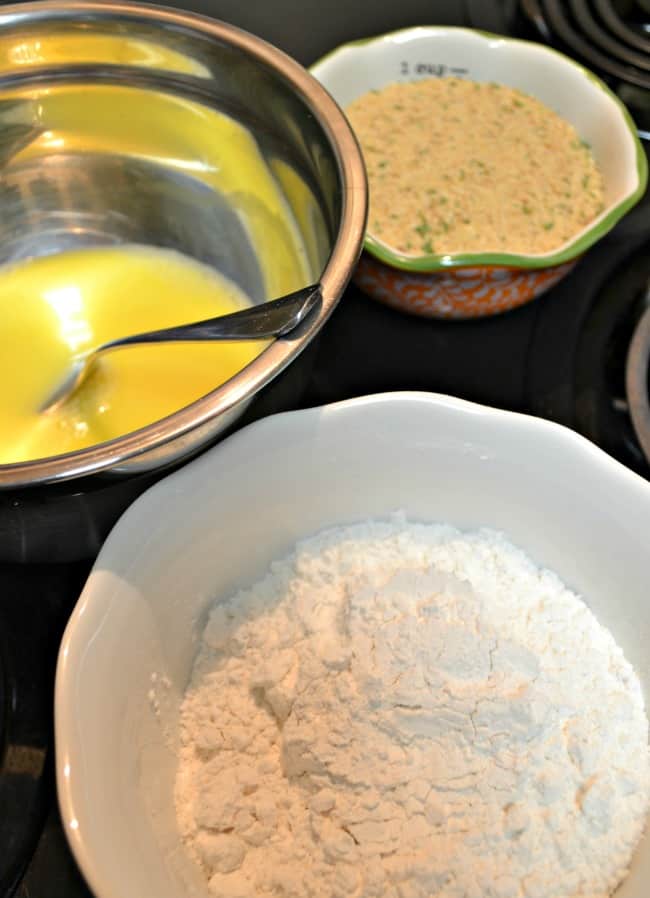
<point x="568" y="251"/>
<point x="162" y="566"/>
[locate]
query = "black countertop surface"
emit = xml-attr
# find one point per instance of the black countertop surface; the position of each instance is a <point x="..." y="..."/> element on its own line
<point x="524" y="360"/>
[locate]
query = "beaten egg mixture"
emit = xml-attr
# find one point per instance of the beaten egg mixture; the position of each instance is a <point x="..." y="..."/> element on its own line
<point x="59" y="306"/>
<point x="83" y="47"/>
<point x="170" y="130"/>
<point x="56" y="307"/>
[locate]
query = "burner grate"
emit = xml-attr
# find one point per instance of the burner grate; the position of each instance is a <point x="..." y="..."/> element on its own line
<point x="602" y="36"/>
<point x="635" y="34"/>
<point x="594" y="32"/>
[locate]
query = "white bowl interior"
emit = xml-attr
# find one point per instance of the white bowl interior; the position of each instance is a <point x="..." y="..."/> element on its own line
<point x="564" y="86"/>
<point x="214" y="526"/>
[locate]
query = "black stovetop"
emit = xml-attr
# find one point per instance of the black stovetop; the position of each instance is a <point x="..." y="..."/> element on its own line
<point x="561" y="357"/>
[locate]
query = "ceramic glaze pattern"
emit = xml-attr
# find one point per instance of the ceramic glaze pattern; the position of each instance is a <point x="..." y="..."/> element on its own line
<point x="457" y="293"/>
<point x="473" y="285"/>
<point x="570" y="90"/>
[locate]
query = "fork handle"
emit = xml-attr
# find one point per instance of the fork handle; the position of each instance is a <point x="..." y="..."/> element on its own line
<point x="268" y="319"/>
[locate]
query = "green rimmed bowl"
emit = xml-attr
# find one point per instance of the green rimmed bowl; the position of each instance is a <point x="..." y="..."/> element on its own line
<point x="468" y="285"/>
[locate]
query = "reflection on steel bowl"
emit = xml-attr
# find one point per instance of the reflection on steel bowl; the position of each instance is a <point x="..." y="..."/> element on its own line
<point x="60" y="193"/>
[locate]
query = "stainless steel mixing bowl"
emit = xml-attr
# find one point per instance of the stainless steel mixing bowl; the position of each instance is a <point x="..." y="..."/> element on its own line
<point x="64" y="200"/>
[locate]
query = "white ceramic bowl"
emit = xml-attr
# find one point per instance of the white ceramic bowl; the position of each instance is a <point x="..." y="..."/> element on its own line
<point x="215" y="525"/>
<point x="471" y="284"/>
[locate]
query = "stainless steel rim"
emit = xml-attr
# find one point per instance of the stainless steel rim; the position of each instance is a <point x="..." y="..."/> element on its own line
<point x="636" y="381"/>
<point x="277" y="356"/>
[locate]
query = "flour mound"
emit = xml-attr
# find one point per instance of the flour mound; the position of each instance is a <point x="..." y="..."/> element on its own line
<point x="407" y="711"/>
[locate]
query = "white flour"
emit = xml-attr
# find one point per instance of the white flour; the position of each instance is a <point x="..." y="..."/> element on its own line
<point x="407" y="711"/>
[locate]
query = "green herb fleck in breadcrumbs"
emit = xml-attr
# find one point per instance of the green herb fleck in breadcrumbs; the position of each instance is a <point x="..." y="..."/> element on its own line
<point x="523" y="182"/>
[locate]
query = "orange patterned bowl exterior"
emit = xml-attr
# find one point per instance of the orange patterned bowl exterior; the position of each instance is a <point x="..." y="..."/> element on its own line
<point x="455" y="292"/>
<point x="474" y="284"/>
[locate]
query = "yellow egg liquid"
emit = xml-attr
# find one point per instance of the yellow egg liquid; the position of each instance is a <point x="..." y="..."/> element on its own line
<point x="58" y="46"/>
<point x="55" y="307"/>
<point x="172" y="131"/>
